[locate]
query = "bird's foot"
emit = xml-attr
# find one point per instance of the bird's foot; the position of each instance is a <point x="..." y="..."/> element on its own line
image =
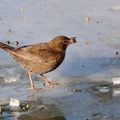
<point x="36" y="89"/>
<point x="50" y="84"/>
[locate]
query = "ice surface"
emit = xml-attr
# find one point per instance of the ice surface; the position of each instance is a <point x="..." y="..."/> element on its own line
<point x="95" y="58"/>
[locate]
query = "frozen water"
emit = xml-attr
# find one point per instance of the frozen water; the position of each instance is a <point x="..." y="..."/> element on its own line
<point x="95" y="58"/>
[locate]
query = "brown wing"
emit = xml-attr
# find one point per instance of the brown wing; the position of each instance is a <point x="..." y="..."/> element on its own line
<point x="34" y="52"/>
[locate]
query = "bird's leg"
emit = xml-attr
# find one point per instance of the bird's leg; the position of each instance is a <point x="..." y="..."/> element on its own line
<point x="47" y="81"/>
<point x="32" y="84"/>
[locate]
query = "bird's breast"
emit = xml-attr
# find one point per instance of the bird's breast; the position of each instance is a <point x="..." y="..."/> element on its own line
<point x="52" y="63"/>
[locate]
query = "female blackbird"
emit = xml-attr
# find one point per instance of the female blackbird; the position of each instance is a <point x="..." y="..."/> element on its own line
<point x="40" y="58"/>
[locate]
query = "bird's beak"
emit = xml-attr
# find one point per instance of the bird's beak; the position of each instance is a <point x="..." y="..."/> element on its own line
<point x="72" y="40"/>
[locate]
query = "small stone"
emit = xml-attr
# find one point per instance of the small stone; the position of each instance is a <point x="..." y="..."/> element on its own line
<point x="117" y="53"/>
<point x="97" y="115"/>
<point x="77" y="90"/>
<point x="17" y="43"/>
<point x="10" y="30"/>
<point x="25" y="107"/>
<point x="87" y="19"/>
<point x="8" y="42"/>
<point x="97" y="22"/>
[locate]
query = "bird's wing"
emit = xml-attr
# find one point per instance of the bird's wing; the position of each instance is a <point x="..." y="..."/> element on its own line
<point x="38" y="52"/>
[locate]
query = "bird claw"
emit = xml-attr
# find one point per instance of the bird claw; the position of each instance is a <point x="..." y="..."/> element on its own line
<point x="36" y="89"/>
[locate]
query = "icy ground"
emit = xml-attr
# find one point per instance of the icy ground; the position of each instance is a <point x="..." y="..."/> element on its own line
<point x="95" y="58"/>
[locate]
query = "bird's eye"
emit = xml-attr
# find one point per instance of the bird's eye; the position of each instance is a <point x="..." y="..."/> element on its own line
<point x="65" y="42"/>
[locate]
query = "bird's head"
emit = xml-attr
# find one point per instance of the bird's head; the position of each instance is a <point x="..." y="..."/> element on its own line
<point x="60" y="43"/>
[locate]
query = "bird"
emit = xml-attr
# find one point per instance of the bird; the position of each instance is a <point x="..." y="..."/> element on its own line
<point x="40" y="58"/>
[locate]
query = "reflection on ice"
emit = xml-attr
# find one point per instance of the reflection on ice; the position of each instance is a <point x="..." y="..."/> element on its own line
<point x="116" y="92"/>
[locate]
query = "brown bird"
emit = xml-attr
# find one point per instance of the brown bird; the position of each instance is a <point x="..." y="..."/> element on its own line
<point x="40" y="58"/>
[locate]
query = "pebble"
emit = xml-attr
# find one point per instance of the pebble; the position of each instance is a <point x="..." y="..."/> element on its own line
<point x="25" y="107"/>
<point x="10" y="30"/>
<point x="87" y="19"/>
<point x="17" y="43"/>
<point x="97" y="115"/>
<point x="97" y="22"/>
<point x="117" y="53"/>
<point x="77" y="90"/>
<point x="8" y="42"/>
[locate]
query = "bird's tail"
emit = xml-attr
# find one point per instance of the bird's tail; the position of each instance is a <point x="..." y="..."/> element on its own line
<point x="6" y="47"/>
